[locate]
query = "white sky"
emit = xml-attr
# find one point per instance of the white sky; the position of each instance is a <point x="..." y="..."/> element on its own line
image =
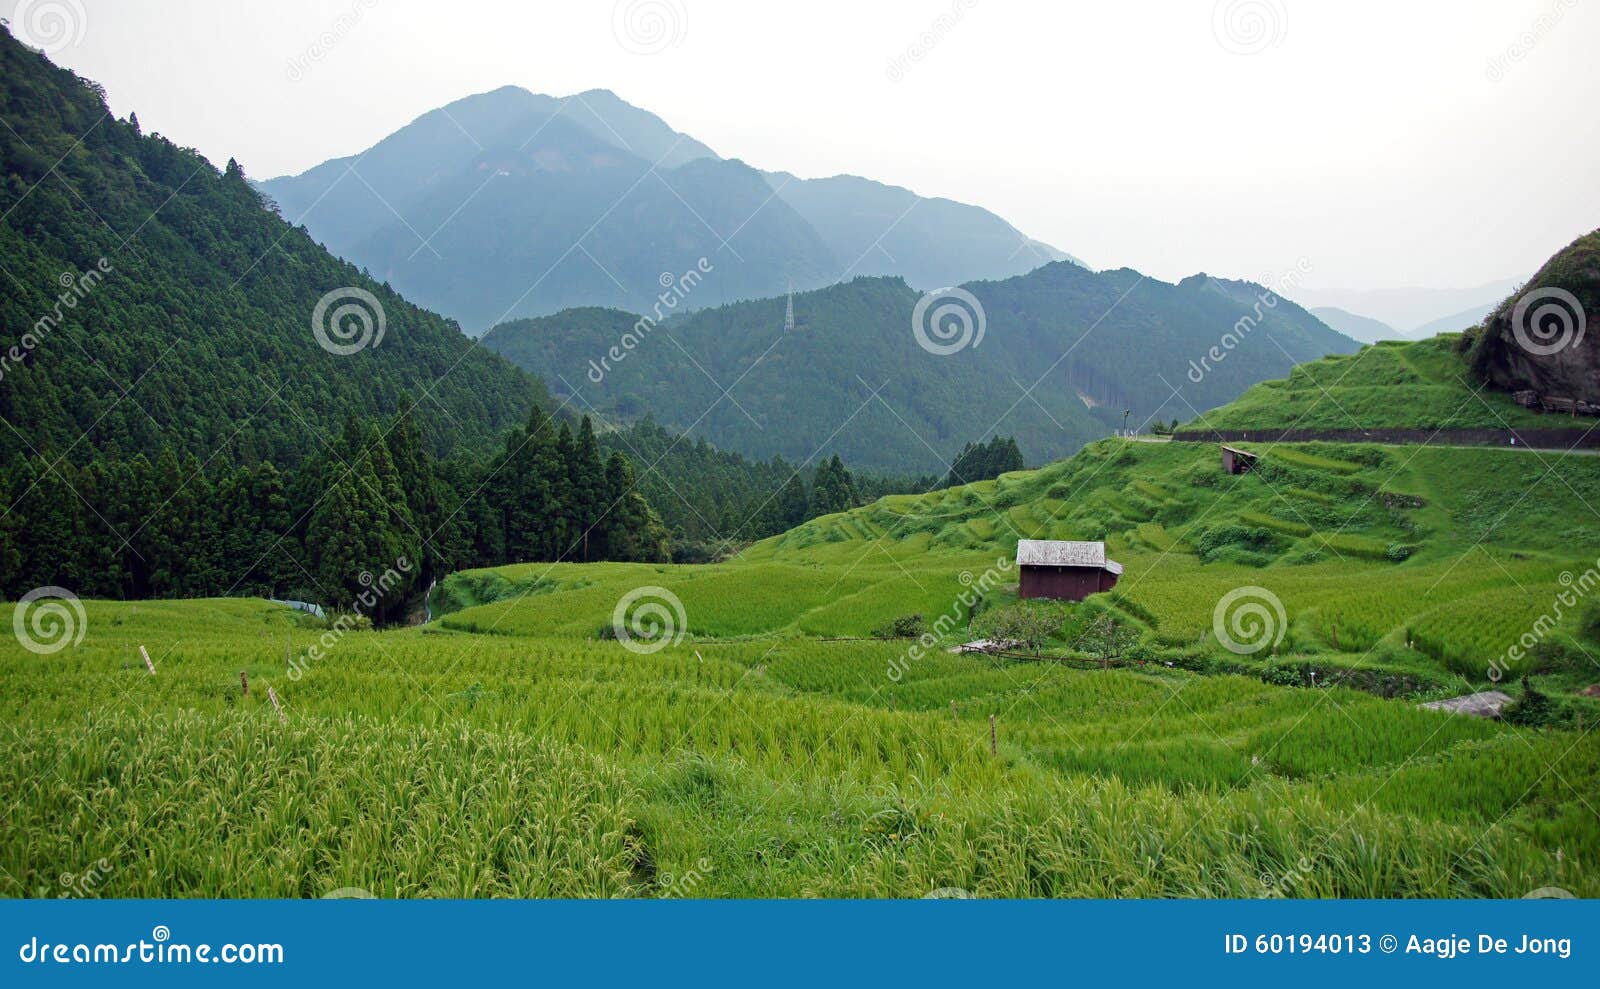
<point x="1367" y="138"/>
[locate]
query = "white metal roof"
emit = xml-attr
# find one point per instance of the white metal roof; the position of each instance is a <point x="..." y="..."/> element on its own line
<point x="1064" y="553"/>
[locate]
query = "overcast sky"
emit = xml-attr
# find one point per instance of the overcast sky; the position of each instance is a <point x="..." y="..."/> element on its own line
<point x="1386" y="143"/>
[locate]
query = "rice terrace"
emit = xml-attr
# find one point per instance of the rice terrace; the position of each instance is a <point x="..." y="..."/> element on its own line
<point x="401" y="525"/>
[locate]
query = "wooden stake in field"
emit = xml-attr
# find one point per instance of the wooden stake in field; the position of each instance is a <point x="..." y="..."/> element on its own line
<point x="272" y="695"/>
<point x="148" y="665"/>
<point x="244" y="683"/>
<point x="954" y="716"/>
<point x="994" y="738"/>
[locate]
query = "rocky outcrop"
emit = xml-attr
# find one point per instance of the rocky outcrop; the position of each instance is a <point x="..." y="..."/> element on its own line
<point x="1540" y="342"/>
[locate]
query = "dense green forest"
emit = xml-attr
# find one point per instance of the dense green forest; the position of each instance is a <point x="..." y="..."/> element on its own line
<point x="713" y="501"/>
<point x="179" y="426"/>
<point x="982" y="461"/>
<point x="371" y="502"/>
<point x="152" y="301"/>
<point x="1063" y="353"/>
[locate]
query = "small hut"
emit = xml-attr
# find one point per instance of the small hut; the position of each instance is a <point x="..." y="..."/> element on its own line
<point x="1237" y="461"/>
<point x="1064" y="571"/>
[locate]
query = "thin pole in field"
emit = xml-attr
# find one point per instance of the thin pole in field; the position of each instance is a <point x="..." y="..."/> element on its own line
<point x="244" y="683"/>
<point x="994" y="738"/>
<point x="149" y="665"/>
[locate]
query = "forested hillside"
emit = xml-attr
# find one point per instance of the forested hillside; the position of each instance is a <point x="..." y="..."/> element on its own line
<point x="152" y="301"/>
<point x="1064" y="351"/>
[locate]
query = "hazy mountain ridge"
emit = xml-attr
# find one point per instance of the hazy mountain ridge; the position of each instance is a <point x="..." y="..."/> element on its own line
<point x="511" y="203"/>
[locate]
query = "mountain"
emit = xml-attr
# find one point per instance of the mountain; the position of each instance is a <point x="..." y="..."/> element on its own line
<point x="1453" y="323"/>
<point x="156" y="302"/>
<point x="880" y="229"/>
<point x="511" y="203"/>
<point x="1360" y="328"/>
<point x="1409" y="310"/>
<point x="1064" y="351"/>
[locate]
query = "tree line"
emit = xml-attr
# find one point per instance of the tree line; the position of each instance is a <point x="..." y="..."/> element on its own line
<point x="371" y="499"/>
<point x="982" y="461"/>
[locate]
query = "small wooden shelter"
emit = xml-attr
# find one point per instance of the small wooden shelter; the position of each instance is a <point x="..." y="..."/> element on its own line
<point x="1237" y="461"/>
<point x="1063" y="570"/>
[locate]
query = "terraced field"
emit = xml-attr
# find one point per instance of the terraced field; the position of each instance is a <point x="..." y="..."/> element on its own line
<point x="1412" y="385"/>
<point x="430" y="762"/>
<point x="764" y="745"/>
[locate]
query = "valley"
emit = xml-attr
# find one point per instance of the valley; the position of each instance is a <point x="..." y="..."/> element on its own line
<point x="538" y="503"/>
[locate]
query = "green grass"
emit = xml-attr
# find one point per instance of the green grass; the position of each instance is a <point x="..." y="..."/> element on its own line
<point x="429" y="763"/>
<point x="508" y="750"/>
<point x="1414" y="385"/>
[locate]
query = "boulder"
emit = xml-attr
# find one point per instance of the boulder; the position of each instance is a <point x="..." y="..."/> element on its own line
<point x="1542" y="340"/>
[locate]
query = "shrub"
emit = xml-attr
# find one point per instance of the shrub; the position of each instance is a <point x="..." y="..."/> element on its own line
<point x="904" y="627"/>
<point x="1401" y="551"/>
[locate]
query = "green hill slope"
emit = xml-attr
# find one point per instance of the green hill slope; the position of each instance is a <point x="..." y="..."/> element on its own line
<point x="151" y="300"/>
<point x="1394" y="384"/>
<point x="1063" y="353"/>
